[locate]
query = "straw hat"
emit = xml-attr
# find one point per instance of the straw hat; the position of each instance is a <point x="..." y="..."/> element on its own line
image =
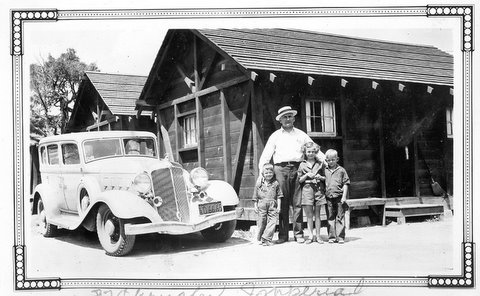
<point x="285" y="110"/>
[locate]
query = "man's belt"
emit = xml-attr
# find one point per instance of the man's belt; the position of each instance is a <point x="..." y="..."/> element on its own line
<point x="288" y="163"/>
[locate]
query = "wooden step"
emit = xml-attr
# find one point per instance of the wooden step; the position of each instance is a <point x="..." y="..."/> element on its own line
<point x="410" y="210"/>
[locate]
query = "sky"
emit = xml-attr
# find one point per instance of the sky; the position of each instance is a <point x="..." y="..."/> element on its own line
<point x="130" y="46"/>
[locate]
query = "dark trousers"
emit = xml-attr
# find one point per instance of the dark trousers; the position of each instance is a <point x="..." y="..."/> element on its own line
<point x="335" y="215"/>
<point x="267" y="219"/>
<point x="287" y="178"/>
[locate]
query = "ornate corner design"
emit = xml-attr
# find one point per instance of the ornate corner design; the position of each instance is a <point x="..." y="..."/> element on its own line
<point x="466" y="280"/>
<point x="18" y="17"/>
<point x="465" y="12"/>
<point x="22" y="283"/>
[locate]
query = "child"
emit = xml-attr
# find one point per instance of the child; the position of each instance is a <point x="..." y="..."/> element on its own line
<point x="267" y="198"/>
<point x="336" y="181"/>
<point x="311" y="178"/>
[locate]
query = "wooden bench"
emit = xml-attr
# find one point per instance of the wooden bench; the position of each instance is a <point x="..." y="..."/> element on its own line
<point x="374" y="203"/>
<point x="410" y="210"/>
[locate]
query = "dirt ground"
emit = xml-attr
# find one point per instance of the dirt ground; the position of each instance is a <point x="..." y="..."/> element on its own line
<point x="412" y="249"/>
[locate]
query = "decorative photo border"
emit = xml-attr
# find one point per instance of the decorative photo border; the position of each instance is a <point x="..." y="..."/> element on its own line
<point x="19" y="17"/>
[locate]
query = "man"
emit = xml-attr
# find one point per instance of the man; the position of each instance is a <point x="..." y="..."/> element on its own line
<point x="285" y="147"/>
<point x="132" y="148"/>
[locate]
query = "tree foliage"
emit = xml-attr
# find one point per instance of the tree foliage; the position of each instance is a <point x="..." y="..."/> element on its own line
<point x="54" y="84"/>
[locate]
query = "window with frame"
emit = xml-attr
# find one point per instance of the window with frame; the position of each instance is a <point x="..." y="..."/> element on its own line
<point x="321" y="119"/>
<point x="52" y="152"/>
<point x="189" y="125"/>
<point x="43" y="155"/>
<point x="449" y="121"/>
<point x="70" y="154"/>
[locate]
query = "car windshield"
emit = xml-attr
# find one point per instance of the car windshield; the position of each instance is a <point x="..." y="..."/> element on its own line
<point x="139" y="146"/>
<point x="101" y="148"/>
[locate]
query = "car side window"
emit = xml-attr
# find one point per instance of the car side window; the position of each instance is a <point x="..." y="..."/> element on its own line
<point x="43" y="155"/>
<point x="70" y="154"/>
<point x="52" y="152"/>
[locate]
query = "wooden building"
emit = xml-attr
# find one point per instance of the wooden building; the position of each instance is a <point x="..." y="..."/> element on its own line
<point x="386" y="107"/>
<point x="107" y="102"/>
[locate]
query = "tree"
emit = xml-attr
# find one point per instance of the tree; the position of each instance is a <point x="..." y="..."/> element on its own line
<point x="54" y="84"/>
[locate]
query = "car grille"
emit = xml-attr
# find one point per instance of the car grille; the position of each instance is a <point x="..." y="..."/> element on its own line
<point x="169" y="184"/>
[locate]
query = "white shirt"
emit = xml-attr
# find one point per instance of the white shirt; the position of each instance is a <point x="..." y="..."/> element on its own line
<point x="285" y="146"/>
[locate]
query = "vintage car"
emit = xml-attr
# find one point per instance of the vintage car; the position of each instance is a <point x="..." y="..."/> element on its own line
<point x="114" y="183"/>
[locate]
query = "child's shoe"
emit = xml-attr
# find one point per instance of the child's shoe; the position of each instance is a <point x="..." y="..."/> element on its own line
<point x="267" y="243"/>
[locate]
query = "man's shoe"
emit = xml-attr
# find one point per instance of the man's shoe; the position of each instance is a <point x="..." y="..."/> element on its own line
<point x="331" y="241"/>
<point x="308" y="241"/>
<point x="280" y="241"/>
<point x="341" y="241"/>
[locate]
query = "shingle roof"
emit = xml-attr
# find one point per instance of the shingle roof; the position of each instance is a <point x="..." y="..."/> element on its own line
<point x="118" y="91"/>
<point x="325" y="54"/>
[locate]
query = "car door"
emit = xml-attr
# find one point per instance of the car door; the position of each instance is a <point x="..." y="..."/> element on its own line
<point x="71" y="174"/>
<point x="52" y="173"/>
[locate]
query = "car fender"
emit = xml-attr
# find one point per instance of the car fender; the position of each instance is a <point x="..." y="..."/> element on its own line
<point x="126" y="205"/>
<point x="90" y="184"/>
<point x="50" y="203"/>
<point x="222" y="191"/>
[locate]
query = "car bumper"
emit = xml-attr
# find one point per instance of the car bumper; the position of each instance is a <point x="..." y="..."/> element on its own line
<point x="170" y="227"/>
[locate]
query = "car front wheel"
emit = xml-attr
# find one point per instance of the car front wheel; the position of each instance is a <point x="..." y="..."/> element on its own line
<point x="46" y="229"/>
<point x="111" y="233"/>
<point x="219" y="232"/>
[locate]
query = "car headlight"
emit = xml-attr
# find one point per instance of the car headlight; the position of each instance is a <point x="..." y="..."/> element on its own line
<point x="199" y="177"/>
<point x="142" y="183"/>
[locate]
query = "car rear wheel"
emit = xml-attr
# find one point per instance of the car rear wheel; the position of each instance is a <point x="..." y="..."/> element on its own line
<point x="111" y="233"/>
<point x="219" y="232"/>
<point x="46" y="229"/>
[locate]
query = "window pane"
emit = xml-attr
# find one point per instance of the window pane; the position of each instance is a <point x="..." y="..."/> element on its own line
<point x="43" y="154"/>
<point x="70" y="154"/>
<point x="329" y="126"/>
<point x="327" y="109"/>
<point x="320" y="116"/>
<point x="190" y="132"/>
<point x="317" y="126"/>
<point x="101" y="148"/>
<point x="52" y="151"/>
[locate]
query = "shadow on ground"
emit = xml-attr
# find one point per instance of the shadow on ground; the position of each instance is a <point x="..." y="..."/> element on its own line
<point x="147" y="244"/>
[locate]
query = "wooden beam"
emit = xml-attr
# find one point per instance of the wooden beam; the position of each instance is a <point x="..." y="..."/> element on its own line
<point x="226" y="139"/>
<point x="178" y="134"/>
<point x="102" y="123"/>
<point x="196" y="59"/>
<point x="162" y="130"/>
<point x="343" y="114"/>
<point x="257" y="123"/>
<point x="382" y="149"/>
<point x="203" y="92"/>
<point x="220" y="51"/>
<point x="208" y="68"/>
<point x="200" y="134"/>
<point x="239" y="160"/>
<point x="158" y="64"/>
<point x="189" y="82"/>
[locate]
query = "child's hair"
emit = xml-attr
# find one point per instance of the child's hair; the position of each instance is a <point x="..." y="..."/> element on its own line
<point x="331" y="153"/>
<point x="267" y="166"/>
<point x="309" y="145"/>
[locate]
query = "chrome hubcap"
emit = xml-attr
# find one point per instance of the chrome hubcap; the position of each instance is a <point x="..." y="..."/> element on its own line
<point x="85" y="202"/>
<point x="109" y="227"/>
